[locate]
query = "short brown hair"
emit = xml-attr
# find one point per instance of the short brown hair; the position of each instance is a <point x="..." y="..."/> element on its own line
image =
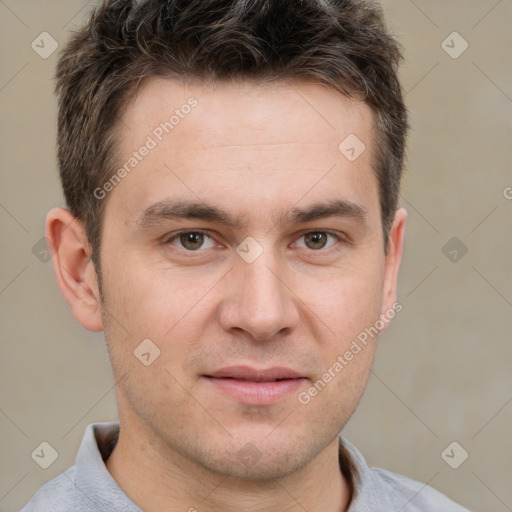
<point x="342" y="43"/>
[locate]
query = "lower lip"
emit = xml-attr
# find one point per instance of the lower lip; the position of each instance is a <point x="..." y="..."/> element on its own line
<point x="257" y="393"/>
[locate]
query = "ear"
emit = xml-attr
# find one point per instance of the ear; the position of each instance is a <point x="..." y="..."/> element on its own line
<point x="393" y="258"/>
<point x="76" y="275"/>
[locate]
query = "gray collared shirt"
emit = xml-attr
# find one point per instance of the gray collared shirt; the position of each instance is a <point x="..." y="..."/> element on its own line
<point x="88" y="486"/>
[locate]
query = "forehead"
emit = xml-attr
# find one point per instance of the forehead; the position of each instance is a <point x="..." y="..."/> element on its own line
<point x="237" y="141"/>
<point x="301" y="111"/>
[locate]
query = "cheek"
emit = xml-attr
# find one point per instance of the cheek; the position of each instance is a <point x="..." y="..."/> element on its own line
<point x="150" y="297"/>
<point x="348" y="300"/>
<point x="164" y="306"/>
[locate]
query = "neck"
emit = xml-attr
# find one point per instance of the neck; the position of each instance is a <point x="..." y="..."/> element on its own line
<point x="157" y="478"/>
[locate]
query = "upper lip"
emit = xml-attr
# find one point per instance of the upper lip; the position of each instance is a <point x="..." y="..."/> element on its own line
<point x="254" y="375"/>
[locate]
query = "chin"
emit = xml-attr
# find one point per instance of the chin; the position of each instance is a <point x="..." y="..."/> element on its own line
<point x="257" y="461"/>
<point x="257" y="466"/>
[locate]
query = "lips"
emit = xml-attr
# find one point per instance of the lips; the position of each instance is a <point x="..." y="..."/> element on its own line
<point x="246" y="373"/>
<point x="256" y="387"/>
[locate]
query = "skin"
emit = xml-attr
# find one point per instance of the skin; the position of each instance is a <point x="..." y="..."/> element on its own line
<point x="256" y="151"/>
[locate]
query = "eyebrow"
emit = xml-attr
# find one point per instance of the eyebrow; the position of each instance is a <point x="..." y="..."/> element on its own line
<point x="166" y="210"/>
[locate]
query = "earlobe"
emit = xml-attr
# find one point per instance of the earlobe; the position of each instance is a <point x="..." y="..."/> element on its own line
<point x="393" y="260"/>
<point x="74" y="269"/>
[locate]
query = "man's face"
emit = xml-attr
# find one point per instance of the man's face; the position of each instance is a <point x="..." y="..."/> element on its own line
<point x="230" y="315"/>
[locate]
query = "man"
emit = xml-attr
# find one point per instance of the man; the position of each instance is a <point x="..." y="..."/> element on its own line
<point x="231" y="171"/>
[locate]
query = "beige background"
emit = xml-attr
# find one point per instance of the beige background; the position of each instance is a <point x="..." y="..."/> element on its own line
<point x="443" y="370"/>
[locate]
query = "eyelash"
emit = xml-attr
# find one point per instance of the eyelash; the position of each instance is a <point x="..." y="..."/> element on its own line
<point x="176" y="236"/>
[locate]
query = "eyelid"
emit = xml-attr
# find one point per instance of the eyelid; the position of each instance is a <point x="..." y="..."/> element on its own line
<point x="340" y="237"/>
<point x="168" y="239"/>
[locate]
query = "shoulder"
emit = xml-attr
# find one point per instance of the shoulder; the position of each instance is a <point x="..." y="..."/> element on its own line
<point x="377" y="489"/>
<point x="87" y="485"/>
<point x="58" y="495"/>
<point x="412" y="495"/>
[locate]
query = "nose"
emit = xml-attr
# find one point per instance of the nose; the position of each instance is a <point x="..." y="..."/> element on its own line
<point x="258" y="301"/>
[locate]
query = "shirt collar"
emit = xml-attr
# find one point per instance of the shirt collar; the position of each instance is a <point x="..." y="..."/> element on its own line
<point x="92" y="477"/>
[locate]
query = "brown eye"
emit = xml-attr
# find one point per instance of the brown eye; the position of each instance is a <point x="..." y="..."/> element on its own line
<point x="315" y="240"/>
<point x="192" y="241"/>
